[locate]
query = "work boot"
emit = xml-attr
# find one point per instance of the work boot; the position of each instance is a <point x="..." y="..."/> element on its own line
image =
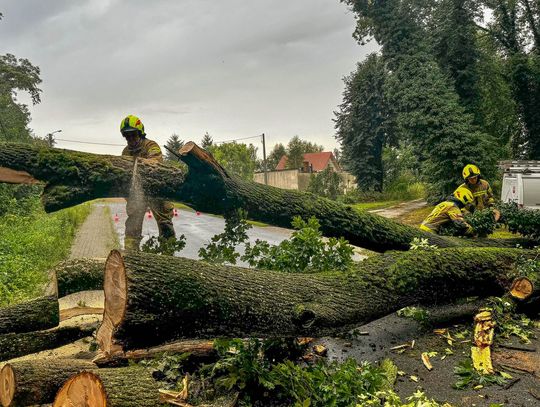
<point x="166" y="230"/>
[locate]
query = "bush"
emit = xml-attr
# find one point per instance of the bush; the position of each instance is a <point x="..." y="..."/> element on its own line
<point x="31" y="244"/>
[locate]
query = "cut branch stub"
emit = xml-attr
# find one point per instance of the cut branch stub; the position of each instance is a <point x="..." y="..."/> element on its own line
<point x="522" y="288"/>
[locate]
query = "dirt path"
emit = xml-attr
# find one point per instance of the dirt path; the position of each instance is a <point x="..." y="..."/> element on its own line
<point x="401" y="209"/>
<point x="95" y="238"/>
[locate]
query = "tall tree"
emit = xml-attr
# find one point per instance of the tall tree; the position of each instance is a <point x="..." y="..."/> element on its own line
<point x="173" y="143"/>
<point x="206" y="141"/>
<point x="429" y="114"/>
<point x="296" y="150"/>
<point x="17" y="75"/>
<point x="453" y="34"/>
<point x="237" y="158"/>
<point x="515" y="27"/>
<point x="275" y="155"/>
<point x="425" y="105"/>
<point x="363" y="123"/>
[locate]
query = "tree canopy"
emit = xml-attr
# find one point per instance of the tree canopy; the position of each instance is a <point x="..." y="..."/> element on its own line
<point x="453" y="85"/>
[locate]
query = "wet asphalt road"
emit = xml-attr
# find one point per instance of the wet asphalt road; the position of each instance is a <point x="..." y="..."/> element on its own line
<point x="198" y="229"/>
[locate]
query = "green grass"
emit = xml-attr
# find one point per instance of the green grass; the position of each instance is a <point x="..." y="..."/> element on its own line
<point x="370" y="206"/>
<point x="30" y="245"/>
<point x="415" y="217"/>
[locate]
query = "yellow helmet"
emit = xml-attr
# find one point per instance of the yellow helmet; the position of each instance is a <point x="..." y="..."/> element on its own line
<point x="464" y="195"/>
<point x="132" y="123"/>
<point x="470" y="170"/>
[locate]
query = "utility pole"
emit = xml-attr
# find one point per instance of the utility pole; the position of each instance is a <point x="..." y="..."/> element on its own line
<point x="49" y="138"/>
<point x="265" y="169"/>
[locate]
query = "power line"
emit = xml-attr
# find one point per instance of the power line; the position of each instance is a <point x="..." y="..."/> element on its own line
<point x="236" y="139"/>
<point x="89" y="142"/>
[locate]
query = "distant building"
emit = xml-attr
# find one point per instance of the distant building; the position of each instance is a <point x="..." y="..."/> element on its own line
<point x="313" y="162"/>
<point x="299" y="178"/>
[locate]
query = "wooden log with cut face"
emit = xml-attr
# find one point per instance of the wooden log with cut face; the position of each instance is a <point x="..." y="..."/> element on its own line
<point x="122" y="387"/>
<point x="36" y="382"/>
<point x="150" y="299"/>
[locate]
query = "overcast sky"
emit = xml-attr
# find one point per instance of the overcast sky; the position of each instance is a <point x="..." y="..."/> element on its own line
<point x="234" y="68"/>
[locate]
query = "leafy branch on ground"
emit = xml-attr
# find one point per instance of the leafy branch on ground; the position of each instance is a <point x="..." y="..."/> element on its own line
<point x="509" y="322"/>
<point x="416" y="313"/>
<point x="222" y="247"/>
<point x="164" y="246"/>
<point x="518" y="220"/>
<point x="469" y="377"/>
<point x="305" y="251"/>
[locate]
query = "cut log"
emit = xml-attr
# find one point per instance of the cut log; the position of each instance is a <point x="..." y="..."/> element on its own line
<point x="124" y="387"/>
<point x="33" y="315"/>
<point x="79" y="275"/>
<point x="75" y="177"/>
<point x="152" y="299"/>
<point x="526" y="292"/>
<point x="30" y="382"/>
<point x="15" y="345"/>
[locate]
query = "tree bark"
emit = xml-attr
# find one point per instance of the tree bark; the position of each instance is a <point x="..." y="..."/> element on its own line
<point x="31" y="382"/>
<point x="153" y="299"/>
<point x="123" y="387"/>
<point x="75" y="177"/>
<point x="34" y="315"/>
<point x="15" y="345"/>
<point x="79" y="275"/>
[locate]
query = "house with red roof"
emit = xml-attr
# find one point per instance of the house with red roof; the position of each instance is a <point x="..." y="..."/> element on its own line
<point x="313" y="162"/>
<point x="299" y="178"/>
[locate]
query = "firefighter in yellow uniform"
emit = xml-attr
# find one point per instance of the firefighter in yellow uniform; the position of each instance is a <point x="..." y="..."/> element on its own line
<point x="481" y="190"/>
<point x="450" y="211"/>
<point x="139" y="146"/>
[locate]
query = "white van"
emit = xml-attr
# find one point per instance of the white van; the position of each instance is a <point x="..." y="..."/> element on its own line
<point x="521" y="183"/>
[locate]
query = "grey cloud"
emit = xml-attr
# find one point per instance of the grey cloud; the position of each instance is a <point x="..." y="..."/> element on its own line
<point x="188" y="66"/>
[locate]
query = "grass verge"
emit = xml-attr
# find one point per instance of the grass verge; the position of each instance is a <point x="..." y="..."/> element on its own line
<point x="30" y="245"/>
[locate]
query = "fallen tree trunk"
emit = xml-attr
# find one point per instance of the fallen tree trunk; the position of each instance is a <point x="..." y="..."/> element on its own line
<point x="33" y="315"/>
<point x="36" y="382"/>
<point x="153" y="299"/>
<point x="123" y="387"/>
<point x="15" y="345"/>
<point x="79" y="275"/>
<point x="75" y="177"/>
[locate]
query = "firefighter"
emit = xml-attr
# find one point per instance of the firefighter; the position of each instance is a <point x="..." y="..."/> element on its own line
<point x="481" y="190"/>
<point x="450" y="211"/>
<point x="139" y="146"/>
